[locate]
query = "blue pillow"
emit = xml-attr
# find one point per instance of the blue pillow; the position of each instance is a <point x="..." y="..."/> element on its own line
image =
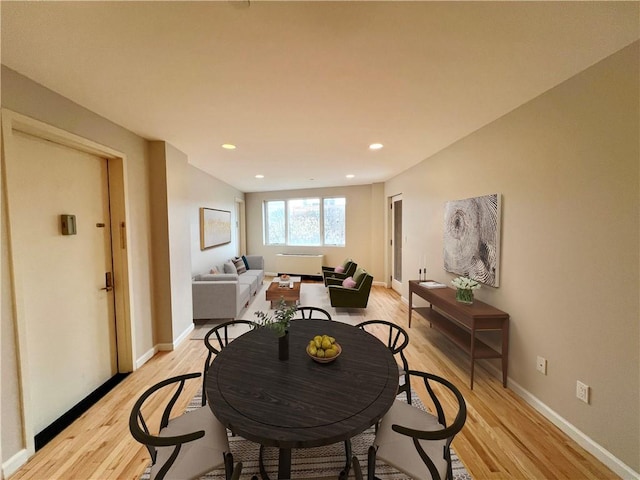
<point x="246" y="263"/>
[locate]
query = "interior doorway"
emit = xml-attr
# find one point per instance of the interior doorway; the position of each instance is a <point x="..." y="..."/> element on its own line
<point x="68" y="254"/>
<point x="396" y="243"/>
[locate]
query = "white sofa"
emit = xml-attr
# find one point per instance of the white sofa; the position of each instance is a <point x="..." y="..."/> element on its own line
<point x="224" y="295"/>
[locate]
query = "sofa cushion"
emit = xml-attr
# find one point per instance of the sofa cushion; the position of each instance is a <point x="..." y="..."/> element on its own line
<point x="216" y="277"/>
<point x="246" y="262"/>
<point x="349" y="282"/>
<point x="214" y="270"/>
<point x="229" y="267"/>
<point x="339" y="269"/>
<point x="250" y="280"/>
<point x="239" y="264"/>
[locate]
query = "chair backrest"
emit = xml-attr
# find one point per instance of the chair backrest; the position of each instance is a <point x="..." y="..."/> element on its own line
<point x="394" y="336"/>
<point x="396" y="339"/>
<point x="218" y="338"/>
<point x="140" y="431"/>
<point x="316" y="313"/>
<point x="349" y="267"/>
<point x="363" y="279"/>
<point x="449" y="430"/>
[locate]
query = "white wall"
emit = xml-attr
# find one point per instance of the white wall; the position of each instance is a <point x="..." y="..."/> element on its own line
<point x="567" y="166"/>
<point x="207" y="191"/>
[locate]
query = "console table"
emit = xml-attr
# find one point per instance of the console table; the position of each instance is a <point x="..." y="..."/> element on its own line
<point x="460" y="322"/>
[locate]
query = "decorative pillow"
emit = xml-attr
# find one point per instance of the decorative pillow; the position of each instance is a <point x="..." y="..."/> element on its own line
<point x="359" y="273"/>
<point x="349" y="282"/>
<point x="214" y="270"/>
<point x="240" y="266"/>
<point x="339" y="269"/>
<point x="229" y="267"/>
<point x="246" y="262"/>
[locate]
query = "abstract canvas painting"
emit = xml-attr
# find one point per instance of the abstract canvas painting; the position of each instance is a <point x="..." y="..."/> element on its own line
<point x="472" y="238"/>
<point x="215" y="227"/>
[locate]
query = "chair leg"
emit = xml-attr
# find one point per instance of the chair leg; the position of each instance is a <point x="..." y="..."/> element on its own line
<point x="237" y="471"/>
<point x="371" y="463"/>
<point x="228" y="465"/>
<point x="344" y="474"/>
<point x="356" y="468"/>
<point x="263" y="471"/>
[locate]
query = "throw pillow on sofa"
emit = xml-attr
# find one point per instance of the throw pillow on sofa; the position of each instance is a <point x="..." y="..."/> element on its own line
<point x="229" y="267"/>
<point x="349" y="282"/>
<point x="339" y="269"/>
<point x="239" y="264"/>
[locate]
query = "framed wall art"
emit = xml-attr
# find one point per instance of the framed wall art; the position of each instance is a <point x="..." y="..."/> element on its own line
<point x="215" y="227"/>
<point x="472" y="238"/>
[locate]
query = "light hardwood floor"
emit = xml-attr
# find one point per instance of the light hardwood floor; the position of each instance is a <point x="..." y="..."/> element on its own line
<point x="503" y="437"/>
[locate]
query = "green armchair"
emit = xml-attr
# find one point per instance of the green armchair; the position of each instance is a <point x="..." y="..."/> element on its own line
<point x="356" y="297"/>
<point x="349" y="267"/>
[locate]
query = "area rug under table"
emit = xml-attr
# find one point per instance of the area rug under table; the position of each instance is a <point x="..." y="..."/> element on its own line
<point x="320" y="463"/>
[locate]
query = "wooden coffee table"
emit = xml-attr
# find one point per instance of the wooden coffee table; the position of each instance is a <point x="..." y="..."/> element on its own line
<point x="275" y="293"/>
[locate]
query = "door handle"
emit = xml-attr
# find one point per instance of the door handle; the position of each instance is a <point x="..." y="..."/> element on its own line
<point x="108" y="281"/>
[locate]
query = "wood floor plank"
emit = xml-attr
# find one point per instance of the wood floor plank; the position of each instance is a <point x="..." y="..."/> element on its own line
<point x="504" y="438"/>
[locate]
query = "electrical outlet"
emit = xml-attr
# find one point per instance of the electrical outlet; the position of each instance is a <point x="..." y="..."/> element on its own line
<point x="541" y="365"/>
<point x="582" y="391"/>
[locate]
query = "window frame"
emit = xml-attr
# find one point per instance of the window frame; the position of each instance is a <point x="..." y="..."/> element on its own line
<point x="321" y="200"/>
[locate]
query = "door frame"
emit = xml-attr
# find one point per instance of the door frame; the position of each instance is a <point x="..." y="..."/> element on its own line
<point x="241" y="227"/>
<point x="395" y="285"/>
<point x="13" y="121"/>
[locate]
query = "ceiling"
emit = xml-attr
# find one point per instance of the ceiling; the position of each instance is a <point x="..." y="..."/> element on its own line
<point x="302" y="88"/>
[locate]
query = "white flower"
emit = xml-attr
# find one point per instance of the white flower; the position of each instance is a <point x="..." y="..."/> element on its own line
<point x="465" y="283"/>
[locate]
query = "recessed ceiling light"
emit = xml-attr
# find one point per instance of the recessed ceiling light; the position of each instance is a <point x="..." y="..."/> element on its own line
<point x="351" y="175"/>
<point x="375" y="146"/>
<point x="259" y="176"/>
<point x="228" y="146"/>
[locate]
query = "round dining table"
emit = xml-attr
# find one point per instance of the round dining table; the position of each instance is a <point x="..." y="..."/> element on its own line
<point x="300" y="403"/>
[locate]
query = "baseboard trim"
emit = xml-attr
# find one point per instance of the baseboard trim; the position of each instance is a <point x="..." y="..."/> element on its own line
<point x="164" y="347"/>
<point x="12" y="465"/>
<point x="146" y="356"/>
<point x="577" y="435"/>
<point x="184" y="335"/>
<point x="586" y="442"/>
<point x="67" y="418"/>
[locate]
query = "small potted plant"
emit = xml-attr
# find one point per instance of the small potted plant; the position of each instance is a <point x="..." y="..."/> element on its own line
<point x="464" y="289"/>
<point x="279" y="323"/>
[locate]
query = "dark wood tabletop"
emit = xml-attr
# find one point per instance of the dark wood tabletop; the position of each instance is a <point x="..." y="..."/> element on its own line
<point x="299" y="403"/>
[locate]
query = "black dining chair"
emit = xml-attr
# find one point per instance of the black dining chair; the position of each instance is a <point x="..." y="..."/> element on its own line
<point x="357" y="471"/>
<point x="315" y="313"/>
<point x="218" y="338"/>
<point x="417" y="442"/>
<point x="396" y="339"/>
<point x="187" y="446"/>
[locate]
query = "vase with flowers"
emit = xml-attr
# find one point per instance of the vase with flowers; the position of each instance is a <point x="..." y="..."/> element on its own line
<point x="464" y="289"/>
<point x="279" y="323"/>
